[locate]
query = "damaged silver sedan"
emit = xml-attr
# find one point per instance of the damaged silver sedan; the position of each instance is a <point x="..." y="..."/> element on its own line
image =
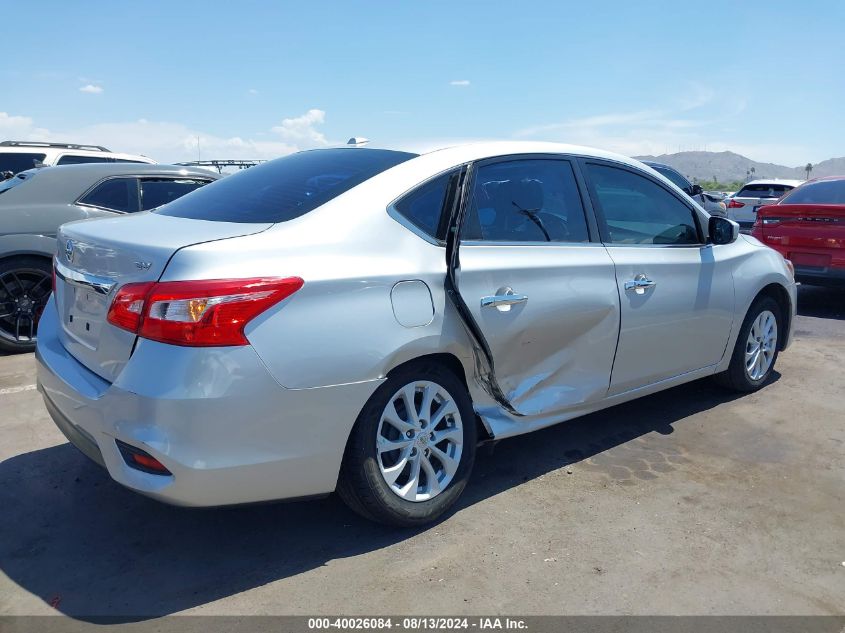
<point x="359" y="319"/>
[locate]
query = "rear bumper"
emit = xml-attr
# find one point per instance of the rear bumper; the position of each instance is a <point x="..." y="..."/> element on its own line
<point x="214" y="417"/>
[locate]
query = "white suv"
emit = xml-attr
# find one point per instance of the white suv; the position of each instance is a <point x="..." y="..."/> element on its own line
<point x="17" y="156"/>
<point x="743" y="205"/>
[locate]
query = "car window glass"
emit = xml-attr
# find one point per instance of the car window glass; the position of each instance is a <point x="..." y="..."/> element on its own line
<point x="532" y="200"/>
<point x="73" y="159"/>
<point x="158" y="191"/>
<point x="18" y="161"/>
<point x="423" y="207"/>
<point x="637" y="210"/>
<point x="285" y="188"/>
<point x="763" y="191"/>
<point x="673" y="176"/>
<point x="118" y="194"/>
<point x="820" y="192"/>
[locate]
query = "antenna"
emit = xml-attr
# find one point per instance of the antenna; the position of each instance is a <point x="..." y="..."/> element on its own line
<point x="357" y="141"/>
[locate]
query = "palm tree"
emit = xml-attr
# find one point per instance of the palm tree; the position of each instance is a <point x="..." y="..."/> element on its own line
<point x="808" y="169"/>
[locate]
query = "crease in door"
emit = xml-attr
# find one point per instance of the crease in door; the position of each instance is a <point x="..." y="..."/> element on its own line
<point x="485" y="371"/>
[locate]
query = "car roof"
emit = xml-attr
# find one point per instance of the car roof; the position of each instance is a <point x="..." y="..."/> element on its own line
<point x="66" y="183"/>
<point x="86" y="150"/>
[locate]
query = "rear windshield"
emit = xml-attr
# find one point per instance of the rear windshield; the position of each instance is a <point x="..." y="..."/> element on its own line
<point x="14" y="181"/>
<point x="285" y="188"/>
<point x="821" y="192"/>
<point x="763" y="191"/>
<point x="19" y="161"/>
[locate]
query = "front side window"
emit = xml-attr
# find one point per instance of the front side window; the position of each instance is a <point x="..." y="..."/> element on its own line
<point x="17" y="162"/>
<point x="636" y="210"/>
<point x="158" y="191"/>
<point x="74" y="159"/>
<point x="115" y="194"/>
<point x="532" y="200"/>
<point x="285" y="188"/>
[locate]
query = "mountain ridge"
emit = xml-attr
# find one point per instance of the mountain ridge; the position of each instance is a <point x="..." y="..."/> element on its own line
<point x="729" y="166"/>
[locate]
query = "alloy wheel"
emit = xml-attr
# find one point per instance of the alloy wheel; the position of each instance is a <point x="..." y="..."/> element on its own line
<point x="23" y="294"/>
<point x="761" y="345"/>
<point x="419" y="441"/>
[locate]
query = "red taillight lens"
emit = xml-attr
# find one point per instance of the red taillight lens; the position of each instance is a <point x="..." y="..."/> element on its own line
<point x="203" y="313"/>
<point x="735" y="204"/>
<point x="128" y="305"/>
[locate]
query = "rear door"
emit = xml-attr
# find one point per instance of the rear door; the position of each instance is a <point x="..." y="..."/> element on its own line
<point x="676" y="292"/>
<point x="541" y="293"/>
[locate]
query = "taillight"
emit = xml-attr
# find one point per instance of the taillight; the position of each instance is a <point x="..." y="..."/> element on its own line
<point x="735" y="204"/>
<point x="211" y="312"/>
<point x="127" y="306"/>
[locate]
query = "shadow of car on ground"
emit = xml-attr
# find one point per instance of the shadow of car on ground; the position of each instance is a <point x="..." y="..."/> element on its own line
<point x="92" y="549"/>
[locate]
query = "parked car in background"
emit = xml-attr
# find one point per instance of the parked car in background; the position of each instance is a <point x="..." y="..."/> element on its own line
<point x="710" y="203"/>
<point x="807" y="226"/>
<point x="18" y="156"/>
<point x="743" y="205"/>
<point x="357" y="319"/>
<point x="35" y="202"/>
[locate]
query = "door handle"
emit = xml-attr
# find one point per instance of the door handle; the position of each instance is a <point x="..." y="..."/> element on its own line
<point x="639" y="284"/>
<point x="506" y="298"/>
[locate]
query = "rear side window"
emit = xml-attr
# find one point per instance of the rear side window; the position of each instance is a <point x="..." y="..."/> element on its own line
<point x="285" y="188"/>
<point x="115" y="194"/>
<point x="73" y="159"/>
<point x="17" y="162"/>
<point x="763" y="191"/>
<point x="820" y="192"/>
<point x="158" y="191"/>
<point x="637" y="210"/>
<point x="423" y="207"/>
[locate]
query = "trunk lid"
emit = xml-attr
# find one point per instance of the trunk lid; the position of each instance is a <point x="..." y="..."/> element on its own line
<point x="94" y="258"/>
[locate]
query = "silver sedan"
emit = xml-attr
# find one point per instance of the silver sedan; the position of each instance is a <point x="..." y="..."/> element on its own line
<point x="359" y="319"/>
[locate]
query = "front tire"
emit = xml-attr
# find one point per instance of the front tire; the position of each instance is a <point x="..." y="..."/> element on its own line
<point x="412" y="448"/>
<point x="756" y="350"/>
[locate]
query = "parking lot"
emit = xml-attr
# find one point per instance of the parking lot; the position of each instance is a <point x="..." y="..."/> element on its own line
<point x="691" y="501"/>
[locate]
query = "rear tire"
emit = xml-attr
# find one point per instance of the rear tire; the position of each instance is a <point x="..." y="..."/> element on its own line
<point x="407" y="466"/>
<point x="756" y="348"/>
<point x="25" y="286"/>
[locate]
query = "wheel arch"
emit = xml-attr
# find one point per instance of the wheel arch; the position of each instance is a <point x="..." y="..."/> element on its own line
<point x="452" y="363"/>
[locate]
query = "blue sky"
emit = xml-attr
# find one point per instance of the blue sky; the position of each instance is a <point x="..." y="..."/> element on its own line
<point x="258" y="79"/>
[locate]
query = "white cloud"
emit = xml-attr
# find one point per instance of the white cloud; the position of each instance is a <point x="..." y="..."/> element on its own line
<point x="167" y="141"/>
<point x="459" y="82"/>
<point x="301" y="130"/>
<point x="252" y="91"/>
<point x="91" y="89"/>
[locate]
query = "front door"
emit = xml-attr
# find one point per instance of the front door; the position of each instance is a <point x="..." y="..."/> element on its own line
<point x="676" y="292"/>
<point x="542" y="294"/>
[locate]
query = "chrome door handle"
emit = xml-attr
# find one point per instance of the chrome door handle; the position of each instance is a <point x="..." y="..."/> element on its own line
<point x="639" y="284"/>
<point x="506" y="298"/>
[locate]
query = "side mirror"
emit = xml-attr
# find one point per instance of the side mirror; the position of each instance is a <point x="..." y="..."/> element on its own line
<point x="722" y="230"/>
<point x="696" y="190"/>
